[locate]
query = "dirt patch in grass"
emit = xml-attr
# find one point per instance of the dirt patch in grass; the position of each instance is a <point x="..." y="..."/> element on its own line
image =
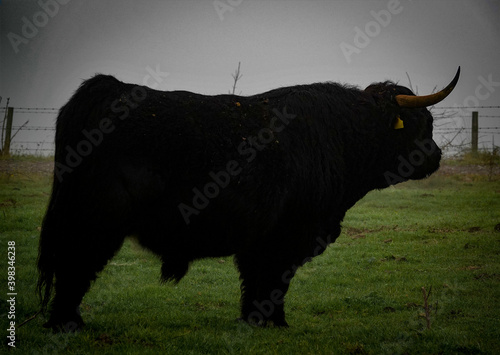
<point x="469" y="170"/>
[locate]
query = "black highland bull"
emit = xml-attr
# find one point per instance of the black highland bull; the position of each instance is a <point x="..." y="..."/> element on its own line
<point x="267" y="178"/>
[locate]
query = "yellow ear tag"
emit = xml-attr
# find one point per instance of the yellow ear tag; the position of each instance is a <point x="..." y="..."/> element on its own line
<point x="399" y="123"/>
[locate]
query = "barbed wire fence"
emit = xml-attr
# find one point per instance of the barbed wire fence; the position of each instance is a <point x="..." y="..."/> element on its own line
<point x="453" y="129"/>
<point x="459" y="129"/>
<point x="22" y="136"/>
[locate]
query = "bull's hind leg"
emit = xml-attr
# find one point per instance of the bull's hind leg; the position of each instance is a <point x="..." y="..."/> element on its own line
<point x="77" y="266"/>
<point x="263" y="288"/>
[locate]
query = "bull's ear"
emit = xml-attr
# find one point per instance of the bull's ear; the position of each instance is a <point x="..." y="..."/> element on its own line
<point x="381" y="96"/>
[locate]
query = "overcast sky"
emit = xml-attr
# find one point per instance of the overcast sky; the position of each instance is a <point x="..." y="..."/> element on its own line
<point x="48" y="47"/>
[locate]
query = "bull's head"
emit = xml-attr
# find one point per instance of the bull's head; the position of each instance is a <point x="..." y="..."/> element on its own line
<point x="417" y="155"/>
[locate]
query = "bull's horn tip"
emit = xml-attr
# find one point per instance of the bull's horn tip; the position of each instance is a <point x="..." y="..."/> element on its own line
<point x="457" y="75"/>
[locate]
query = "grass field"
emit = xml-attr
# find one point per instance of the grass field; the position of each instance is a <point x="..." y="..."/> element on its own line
<point x="362" y="296"/>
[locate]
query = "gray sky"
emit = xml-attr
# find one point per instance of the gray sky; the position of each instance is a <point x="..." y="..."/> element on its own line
<point x="46" y="53"/>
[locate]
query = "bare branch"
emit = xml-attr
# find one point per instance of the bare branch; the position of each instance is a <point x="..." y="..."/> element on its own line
<point x="236" y="76"/>
<point x="20" y="128"/>
<point x="409" y="82"/>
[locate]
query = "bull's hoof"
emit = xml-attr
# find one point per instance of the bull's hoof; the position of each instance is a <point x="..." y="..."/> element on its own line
<point x="67" y="325"/>
<point x="280" y="323"/>
<point x="264" y="323"/>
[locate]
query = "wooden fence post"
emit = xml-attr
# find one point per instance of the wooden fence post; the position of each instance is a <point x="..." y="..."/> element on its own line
<point x="8" y="132"/>
<point x="475" y="132"/>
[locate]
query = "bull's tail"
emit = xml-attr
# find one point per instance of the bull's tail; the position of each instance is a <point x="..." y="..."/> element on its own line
<point x="82" y="111"/>
<point x="51" y="244"/>
<point x="46" y="265"/>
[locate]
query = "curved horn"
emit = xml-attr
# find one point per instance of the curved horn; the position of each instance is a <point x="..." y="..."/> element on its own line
<point x="428" y="100"/>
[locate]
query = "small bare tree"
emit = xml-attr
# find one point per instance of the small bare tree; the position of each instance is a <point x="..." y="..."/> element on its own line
<point x="236" y="76"/>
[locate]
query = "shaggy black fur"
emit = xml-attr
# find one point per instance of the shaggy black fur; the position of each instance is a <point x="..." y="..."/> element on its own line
<point x="132" y="161"/>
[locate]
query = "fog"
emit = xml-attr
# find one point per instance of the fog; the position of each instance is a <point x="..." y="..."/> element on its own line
<point x="48" y="47"/>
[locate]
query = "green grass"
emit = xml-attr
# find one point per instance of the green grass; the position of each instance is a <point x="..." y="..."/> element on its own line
<point x="362" y="296"/>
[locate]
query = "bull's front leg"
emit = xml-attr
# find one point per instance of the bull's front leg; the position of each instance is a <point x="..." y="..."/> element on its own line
<point x="263" y="288"/>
